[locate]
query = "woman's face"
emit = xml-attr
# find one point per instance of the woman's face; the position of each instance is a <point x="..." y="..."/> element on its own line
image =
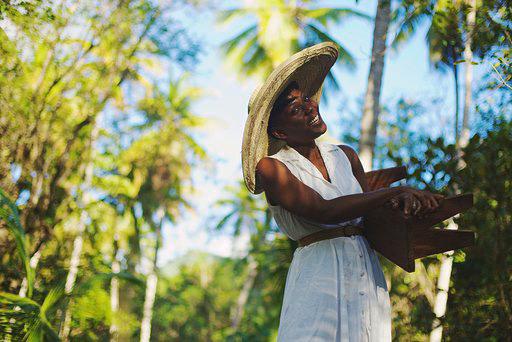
<point x="299" y="121"/>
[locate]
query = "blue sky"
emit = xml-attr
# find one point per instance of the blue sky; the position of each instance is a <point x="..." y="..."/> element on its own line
<point x="407" y="74"/>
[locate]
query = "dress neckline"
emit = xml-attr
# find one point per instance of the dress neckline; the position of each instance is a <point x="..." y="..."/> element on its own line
<point x="314" y="166"/>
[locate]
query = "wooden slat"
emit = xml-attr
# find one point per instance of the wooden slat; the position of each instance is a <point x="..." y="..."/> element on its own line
<point x="403" y="239"/>
<point x="447" y="208"/>
<point x="387" y="233"/>
<point x="433" y="241"/>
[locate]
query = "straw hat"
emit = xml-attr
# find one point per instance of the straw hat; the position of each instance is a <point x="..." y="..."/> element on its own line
<point x="308" y="68"/>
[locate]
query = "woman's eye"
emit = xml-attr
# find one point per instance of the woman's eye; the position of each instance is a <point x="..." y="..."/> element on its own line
<point x="306" y="99"/>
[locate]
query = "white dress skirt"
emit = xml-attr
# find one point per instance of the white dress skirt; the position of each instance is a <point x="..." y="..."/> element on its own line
<point x="335" y="289"/>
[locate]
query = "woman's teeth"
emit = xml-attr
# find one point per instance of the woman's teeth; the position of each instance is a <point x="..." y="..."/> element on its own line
<point x="314" y="121"/>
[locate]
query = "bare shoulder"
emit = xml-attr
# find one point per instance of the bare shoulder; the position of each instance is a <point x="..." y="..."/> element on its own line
<point x="266" y="167"/>
<point x="269" y="171"/>
<point x="350" y="152"/>
<point x="273" y="176"/>
<point x="283" y="188"/>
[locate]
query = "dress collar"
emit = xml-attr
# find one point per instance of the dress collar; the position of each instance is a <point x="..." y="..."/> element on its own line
<point x="326" y="153"/>
<point x="324" y="148"/>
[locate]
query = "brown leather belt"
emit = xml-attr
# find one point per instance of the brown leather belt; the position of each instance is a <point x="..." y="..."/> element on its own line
<point x="330" y="233"/>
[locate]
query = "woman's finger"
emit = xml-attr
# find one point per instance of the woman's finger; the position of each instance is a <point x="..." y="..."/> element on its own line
<point x="407" y="205"/>
<point x="434" y="201"/>
<point x="423" y="200"/>
<point x="417" y="206"/>
<point x="439" y="197"/>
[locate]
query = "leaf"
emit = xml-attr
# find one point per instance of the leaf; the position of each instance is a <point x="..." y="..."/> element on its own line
<point x="9" y="298"/>
<point x="9" y="213"/>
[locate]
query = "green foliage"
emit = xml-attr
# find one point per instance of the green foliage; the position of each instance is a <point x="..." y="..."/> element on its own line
<point x="10" y="217"/>
<point x="21" y="316"/>
<point x="482" y="288"/>
<point x="82" y="85"/>
<point x="196" y="295"/>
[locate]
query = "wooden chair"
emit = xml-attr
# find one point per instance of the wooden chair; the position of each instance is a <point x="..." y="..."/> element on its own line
<point x="403" y="239"/>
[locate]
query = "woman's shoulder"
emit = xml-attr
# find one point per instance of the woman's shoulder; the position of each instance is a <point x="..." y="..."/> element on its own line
<point x="267" y="169"/>
<point x="349" y="151"/>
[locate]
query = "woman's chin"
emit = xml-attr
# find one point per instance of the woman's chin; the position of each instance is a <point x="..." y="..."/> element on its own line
<point x="320" y="130"/>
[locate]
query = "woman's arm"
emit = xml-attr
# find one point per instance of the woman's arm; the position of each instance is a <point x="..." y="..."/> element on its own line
<point x="425" y="201"/>
<point x="284" y="189"/>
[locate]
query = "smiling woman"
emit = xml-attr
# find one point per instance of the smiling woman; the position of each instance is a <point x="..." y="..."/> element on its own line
<point x="317" y="192"/>
<point x="310" y="187"/>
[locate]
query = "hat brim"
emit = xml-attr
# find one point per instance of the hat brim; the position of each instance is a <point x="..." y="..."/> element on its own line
<point x="308" y="68"/>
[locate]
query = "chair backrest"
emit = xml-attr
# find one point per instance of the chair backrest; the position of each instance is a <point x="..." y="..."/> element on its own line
<point x="403" y="239"/>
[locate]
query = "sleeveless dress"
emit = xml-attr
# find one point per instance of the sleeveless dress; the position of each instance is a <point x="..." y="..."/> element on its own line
<point x="335" y="289"/>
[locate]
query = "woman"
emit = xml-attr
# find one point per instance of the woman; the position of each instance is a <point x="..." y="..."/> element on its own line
<point x="335" y="288"/>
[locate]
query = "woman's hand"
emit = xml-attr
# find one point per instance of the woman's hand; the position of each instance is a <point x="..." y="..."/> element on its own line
<point x="416" y="202"/>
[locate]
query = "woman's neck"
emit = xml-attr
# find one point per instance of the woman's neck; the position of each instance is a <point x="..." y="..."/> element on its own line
<point x="308" y="150"/>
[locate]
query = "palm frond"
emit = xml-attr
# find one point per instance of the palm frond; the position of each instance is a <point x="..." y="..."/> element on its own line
<point x="10" y="215"/>
<point x="229" y="45"/>
<point x="227" y="16"/>
<point x="222" y="223"/>
<point x="31" y="316"/>
<point x="333" y="15"/>
<point x="344" y="56"/>
<point x="407" y="21"/>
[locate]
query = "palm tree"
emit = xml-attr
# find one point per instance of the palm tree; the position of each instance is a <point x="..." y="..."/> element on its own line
<point x="74" y="261"/>
<point x="277" y="29"/>
<point x="445" y="270"/>
<point x="371" y="107"/>
<point x="444" y="39"/>
<point x="163" y="159"/>
<point x="251" y="213"/>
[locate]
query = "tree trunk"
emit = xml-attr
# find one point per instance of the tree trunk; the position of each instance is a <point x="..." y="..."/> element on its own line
<point x="251" y="275"/>
<point x="244" y="294"/>
<point x="456" y="82"/>
<point x="151" y="282"/>
<point x="371" y="109"/>
<point x="78" y="242"/>
<point x="468" y="56"/>
<point x="443" y="282"/>
<point x="114" y="290"/>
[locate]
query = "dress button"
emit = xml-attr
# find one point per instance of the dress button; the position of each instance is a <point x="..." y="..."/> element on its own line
<point x="361" y="255"/>
<point x="353" y="237"/>
<point x="361" y="293"/>
<point x="362" y="274"/>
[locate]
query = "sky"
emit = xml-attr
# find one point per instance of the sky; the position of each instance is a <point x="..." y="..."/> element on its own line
<point x="406" y="74"/>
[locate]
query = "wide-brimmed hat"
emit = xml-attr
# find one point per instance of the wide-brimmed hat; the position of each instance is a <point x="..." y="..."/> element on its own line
<point x="308" y="68"/>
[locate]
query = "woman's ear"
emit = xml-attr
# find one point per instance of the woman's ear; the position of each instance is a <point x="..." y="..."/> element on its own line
<point x="278" y="135"/>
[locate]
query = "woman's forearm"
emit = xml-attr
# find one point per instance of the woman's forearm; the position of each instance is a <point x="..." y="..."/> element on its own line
<point x="345" y="208"/>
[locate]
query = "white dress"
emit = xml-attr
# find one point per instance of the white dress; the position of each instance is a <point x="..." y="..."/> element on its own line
<point x="335" y="289"/>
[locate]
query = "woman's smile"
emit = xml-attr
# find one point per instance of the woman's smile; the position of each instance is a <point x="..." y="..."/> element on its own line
<point x="315" y="121"/>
